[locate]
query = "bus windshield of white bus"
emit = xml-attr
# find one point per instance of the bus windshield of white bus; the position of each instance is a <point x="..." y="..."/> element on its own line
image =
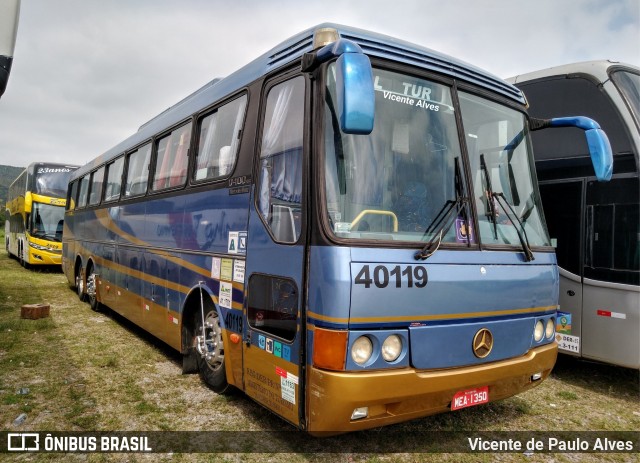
<point x="397" y="182"/>
<point x="629" y="85"/>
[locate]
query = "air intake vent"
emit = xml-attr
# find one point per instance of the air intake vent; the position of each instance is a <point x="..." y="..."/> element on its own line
<point x="435" y="63"/>
<point x="286" y="54"/>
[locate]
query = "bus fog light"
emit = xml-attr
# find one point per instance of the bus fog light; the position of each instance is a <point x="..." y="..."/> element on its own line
<point x="359" y="413"/>
<point x="548" y="332"/>
<point x="538" y="332"/>
<point x="361" y="350"/>
<point x="536" y="376"/>
<point x="391" y="348"/>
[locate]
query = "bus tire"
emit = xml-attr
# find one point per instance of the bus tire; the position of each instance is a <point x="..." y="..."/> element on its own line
<point x="23" y="262"/>
<point x="91" y="296"/>
<point x="210" y="351"/>
<point x="80" y="283"/>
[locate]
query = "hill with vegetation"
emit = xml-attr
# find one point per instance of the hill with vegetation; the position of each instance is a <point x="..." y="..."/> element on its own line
<point x="7" y="175"/>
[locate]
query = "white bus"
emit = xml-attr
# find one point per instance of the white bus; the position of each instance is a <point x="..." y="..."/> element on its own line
<point x="596" y="224"/>
<point x="9" y="12"/>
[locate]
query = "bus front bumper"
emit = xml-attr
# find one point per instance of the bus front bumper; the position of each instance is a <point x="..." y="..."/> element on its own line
<point x="44" y="258"/>
<point x="394" y="396"/>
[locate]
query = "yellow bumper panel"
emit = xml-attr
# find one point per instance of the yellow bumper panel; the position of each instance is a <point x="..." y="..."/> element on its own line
<point x="394" y="396"/>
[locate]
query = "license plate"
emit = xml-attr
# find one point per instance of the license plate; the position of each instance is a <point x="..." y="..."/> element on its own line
<point x="470" y="398"/>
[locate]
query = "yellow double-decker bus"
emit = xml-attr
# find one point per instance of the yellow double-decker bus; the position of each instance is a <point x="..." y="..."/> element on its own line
<point x="35" y="213"/>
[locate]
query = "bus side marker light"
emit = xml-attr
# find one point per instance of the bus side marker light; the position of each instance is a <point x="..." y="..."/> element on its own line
<point x="329" y="349"/>
<point x="234" y="338"/>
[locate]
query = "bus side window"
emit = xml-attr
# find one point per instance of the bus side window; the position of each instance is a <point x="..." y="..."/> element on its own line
<point x="96" y="186"/>
<point x="114" y="179"/>
<point x="172" y="159"/>
<point x="219" y="139"/>
<point x="138" y="171"/>
<point x="71" y="200"/>
<point x="84" y="190"/>
<point x="281" y="160"/>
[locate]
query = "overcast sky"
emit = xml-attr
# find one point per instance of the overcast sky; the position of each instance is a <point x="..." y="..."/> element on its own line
<point x="87" y="73"/>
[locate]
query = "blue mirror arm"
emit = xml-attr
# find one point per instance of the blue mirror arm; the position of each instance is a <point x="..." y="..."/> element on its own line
<point x="597" y="141"/>
<point x="579" y="122"/>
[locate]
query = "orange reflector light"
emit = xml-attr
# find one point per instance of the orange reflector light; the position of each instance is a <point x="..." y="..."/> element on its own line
<point x="329" y="349"/>
<point x="234" y="338"/>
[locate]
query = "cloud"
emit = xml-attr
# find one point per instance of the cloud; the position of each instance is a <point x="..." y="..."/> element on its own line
<point x="87" y="73"/>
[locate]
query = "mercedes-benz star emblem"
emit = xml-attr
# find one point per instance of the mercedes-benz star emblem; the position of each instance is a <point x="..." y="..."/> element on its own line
<point x="482" y="343"/>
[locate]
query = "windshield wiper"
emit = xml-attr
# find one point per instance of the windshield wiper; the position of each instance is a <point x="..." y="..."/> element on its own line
<point x="442" y="222"/>
<point x="491" y="206"/>
<point x="491" y="195"/>
<point x="441" y="225"/>
<point x="524" y="240"/>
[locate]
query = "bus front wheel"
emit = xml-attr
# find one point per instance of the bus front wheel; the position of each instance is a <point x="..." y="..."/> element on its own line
<point x="209" y="349"/>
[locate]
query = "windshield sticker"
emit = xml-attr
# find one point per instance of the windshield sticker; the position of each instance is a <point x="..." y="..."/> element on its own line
<point x="51" y="170"/>
<point x="410" y="94"/>
<point x="464" y="231"/>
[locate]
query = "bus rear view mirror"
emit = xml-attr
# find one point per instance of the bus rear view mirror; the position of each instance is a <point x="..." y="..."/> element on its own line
<point x="600" y="152"/>
<point x="356" y="98"/>
<point x="597" y="141"/>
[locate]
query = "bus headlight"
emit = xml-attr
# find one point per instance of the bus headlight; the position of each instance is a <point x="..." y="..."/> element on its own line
<point x="361" y="350"/>
<point x="538" y="332"/>
<point x="391" y="348"/>
<point x="548" y="332"/>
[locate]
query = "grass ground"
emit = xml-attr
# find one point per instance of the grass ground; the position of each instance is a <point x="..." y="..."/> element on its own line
<point x="89" y="371"/>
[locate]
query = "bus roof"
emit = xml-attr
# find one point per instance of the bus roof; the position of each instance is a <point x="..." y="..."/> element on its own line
<point x="598" y="69"/>
<point x="372" y="44"/>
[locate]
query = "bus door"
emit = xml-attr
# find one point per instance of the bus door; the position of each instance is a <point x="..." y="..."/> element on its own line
<point x="562" y="202"/>
<point x="273" y="327"/>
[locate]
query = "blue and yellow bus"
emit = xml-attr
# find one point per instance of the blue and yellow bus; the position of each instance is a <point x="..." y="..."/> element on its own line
<point x="35" y="213"/>
<point x="348" y="229"/>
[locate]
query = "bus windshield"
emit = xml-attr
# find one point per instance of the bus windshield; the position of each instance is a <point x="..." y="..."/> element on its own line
<point x="52" y="182"/>
<point x="502" y="167"/>
<point x="391" y="184"/>
<point x="397" y="182"/>
<point x="629" y="85"/>
<point x="46" y="221"/>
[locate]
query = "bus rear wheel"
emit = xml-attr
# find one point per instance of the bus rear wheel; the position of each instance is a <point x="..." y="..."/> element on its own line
<point x="91" y="296"/>
<point x="209" y="349"/>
